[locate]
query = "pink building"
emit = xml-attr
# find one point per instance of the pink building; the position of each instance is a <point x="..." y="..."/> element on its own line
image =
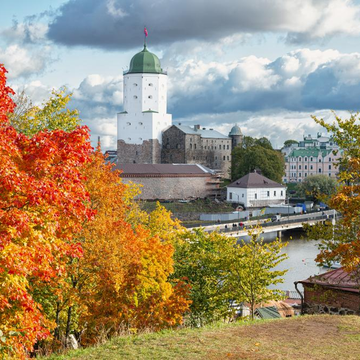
<point x="317" y="156"/>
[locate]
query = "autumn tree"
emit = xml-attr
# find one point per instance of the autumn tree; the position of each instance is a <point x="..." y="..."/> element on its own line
<point x="221" y="271"/>
<point x="254" y="154"/>
<point x="42" y="205"/>
<point x="122" y="279"/>
<point x="53" y="114"/>
<point x="341" y="241"/>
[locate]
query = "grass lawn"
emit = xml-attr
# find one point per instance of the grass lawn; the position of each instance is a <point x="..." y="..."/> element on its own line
<point x="303" y="338"/>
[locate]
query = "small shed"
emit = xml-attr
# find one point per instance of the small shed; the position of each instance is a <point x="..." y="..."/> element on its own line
<point x="334" y="292"/>
<point x="255" y="190"/>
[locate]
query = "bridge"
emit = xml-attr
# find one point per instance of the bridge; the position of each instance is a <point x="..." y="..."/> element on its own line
<point x="284" y="224"/>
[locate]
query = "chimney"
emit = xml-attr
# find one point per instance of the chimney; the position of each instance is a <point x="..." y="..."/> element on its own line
<point x="196" y="127"/>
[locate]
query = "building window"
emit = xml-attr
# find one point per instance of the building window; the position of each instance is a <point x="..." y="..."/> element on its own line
<point x="178" y="146"/>
<point x="215" y="157"/>
<point x="242" y="195"/>
<point x="299" y="158"/>
<point x="274" y="193"/>
<point x="255" y="196"/>
<point x="205" y="147"/>
<point x="305" y="174"/>
<point x="305" y="159"/>
<point x="282" y="193"/>
<point x="319" y="160"/>
<point x="128" y="123"/>
<point x="329" y="175"/>
<point x="135" y="84"/>
<point x="268" y="193"/>
<point x="195" y="146"/>
<point x="150" y="84"/>
<point x="330" y="159"/>
<point x="136" y="153"/>
<point x="228" y="157"/>
<point x="190" y="146"/>
<point x="193" y="157"/>
<point x="230" y="196"/>
<point x="299" y="174"/>
<point x="135" y="97"/>
<point x="329" y="167"/>
<point x="190" y="139"/>
<point x="150" y="97"/>
<point x="305" y="167"/>
<point x="227" y="147"/>
<point x="140" y="123"/>
<point x="224" y="158"/>
<point x="224" y="147"/>
<point x="299" y="167"/>
<point x="319" y="171"/>
<point x="215" y="147"/>
<point x="311" y="159"/>
<point x="311" y="167"/>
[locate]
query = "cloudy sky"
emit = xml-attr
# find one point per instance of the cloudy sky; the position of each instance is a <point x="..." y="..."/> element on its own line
<point x="265" y="65"/>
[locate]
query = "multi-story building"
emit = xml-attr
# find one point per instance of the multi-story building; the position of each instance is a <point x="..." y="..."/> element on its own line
<point x="196" y="145"/>
<point x="312" y="156"/>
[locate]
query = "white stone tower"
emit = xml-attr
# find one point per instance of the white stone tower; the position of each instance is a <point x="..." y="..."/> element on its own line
<point x="140" y="125"/>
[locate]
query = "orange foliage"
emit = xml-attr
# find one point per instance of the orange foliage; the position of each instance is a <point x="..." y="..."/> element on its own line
<point x="124" y="272"/>
<point x="42" y="205"/>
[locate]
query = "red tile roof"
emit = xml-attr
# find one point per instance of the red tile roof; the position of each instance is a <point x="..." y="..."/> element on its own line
<point x="154" y="170"/>
<point x="337" y="279"/>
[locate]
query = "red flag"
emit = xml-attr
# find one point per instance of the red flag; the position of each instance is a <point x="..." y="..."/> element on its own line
<point x="145" y="32"/>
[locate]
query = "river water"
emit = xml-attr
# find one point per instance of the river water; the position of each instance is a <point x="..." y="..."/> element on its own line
<point x="300" y="263"/>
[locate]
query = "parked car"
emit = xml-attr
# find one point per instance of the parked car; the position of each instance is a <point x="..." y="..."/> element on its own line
<point x="276" y="218"/>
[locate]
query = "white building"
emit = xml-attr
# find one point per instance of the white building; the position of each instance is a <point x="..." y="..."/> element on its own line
<point x="255" y="190"/>
<point x="312" y="156"/>
<point x="145" y="117"/>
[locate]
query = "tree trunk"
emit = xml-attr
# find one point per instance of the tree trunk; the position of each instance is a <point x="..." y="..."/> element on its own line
<point x="68" y="323"/>
<point x="57" y="321"/>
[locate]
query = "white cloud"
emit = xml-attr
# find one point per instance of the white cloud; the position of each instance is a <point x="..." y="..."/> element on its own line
<point x="23" y="61"/>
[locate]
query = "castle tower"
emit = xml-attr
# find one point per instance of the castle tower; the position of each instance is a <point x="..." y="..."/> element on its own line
<point x="144" y="117"/>
<point x="236" y="136"/>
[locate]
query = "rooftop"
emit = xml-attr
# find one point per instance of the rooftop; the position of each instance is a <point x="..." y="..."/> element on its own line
<point x="336" y="279"/>
<point x="161" y="170"/>
<point x="205" y="133"/>
<point x="255" y="180"/>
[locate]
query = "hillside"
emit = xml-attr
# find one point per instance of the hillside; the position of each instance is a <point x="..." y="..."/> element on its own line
<point x="302" y="338"/>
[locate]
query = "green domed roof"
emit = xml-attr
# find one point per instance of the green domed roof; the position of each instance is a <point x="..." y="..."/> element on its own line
<point x="235" y="131"/>
<point x="145" y="62"/>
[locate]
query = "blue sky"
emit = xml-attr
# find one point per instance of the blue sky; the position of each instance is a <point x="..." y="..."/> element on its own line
<point x="266" y="65"/>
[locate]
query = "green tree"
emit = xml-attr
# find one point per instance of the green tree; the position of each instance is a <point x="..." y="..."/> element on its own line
<point x="52" y="115"/>
<point x="250" y="270"/>
<point x="220" y="270"/>
<point x="290" y="142"/>
<point x="341" y="242"/>
<point x="257" y="154"/>
<point x="317" y="187"/>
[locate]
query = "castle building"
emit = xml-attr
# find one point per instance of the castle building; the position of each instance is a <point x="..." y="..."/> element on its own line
<point x="145" y="134"/>
<point x="145" y="117"/>
<point x="196" y="145"/>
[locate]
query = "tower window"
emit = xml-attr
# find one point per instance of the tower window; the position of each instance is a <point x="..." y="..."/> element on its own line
<point x="140" y="123"/>
<point x="135" y="84"/>
<point x="150" y="96"/>
<point x="135" y="97"/>
<point x="150" y="84"/>
<point x="128" y="123"/>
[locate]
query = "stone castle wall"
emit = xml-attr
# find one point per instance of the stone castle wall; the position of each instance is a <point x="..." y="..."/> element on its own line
<point x="172" y="188"/>
<point x="149" y="152"/>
